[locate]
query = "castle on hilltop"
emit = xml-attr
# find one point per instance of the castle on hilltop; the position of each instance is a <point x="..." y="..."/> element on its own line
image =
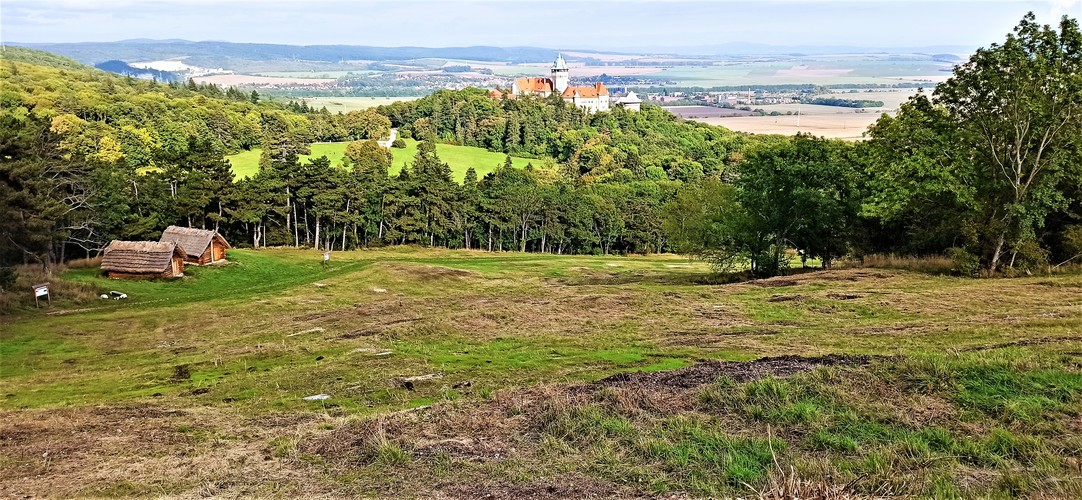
<point x="592" y="98"/>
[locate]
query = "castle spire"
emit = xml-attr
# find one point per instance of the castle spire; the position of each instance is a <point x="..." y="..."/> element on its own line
<point x="560" y="74"/>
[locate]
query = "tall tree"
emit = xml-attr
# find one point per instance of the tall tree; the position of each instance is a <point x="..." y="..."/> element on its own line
<point x="1020" y="106"/>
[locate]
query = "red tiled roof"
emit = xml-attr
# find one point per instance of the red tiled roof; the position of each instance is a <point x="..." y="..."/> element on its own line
<point x="587" y="92"/>
<point x="498" y="93"/>
<point x="534" y="84"/>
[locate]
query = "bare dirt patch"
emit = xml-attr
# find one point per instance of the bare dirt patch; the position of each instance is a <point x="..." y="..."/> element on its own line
<point x="708" y="372"/>
<point x="427" y="272"/>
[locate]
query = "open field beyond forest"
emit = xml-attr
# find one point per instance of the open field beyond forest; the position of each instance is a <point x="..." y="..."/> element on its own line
<point x="347" y="104"/>
<point x="847" y="126"/>
<point x="464" y="373"/>
<point x="824" y="121"/>
<point x="460" y="158"/>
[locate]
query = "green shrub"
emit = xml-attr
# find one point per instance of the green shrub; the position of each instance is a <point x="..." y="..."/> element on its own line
<point x="963" y="262"/>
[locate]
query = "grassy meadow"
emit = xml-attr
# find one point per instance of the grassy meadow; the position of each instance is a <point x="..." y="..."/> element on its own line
<point x="460" y="158"/>
<point x="462" y="373"/>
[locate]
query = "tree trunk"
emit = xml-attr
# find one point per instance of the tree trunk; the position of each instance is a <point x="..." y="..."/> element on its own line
<point x="291" y="208"/>
<point x="344" y="225"/>
<point x="998" y="253"/>
<point x="296" y="230"/>
<point x="524" y="229"/>
<point x="317" y="230"/>
<point x="381" y="204"/>
<point x="307" y="232"/>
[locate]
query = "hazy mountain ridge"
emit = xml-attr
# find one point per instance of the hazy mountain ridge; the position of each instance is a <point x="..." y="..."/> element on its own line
<point x="212" y="53"/>
<point x="219" y="53"/>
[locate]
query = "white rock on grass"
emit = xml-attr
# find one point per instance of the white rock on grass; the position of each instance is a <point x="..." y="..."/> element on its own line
<point x="310" y="330"/>
<point x="317" y="397"/>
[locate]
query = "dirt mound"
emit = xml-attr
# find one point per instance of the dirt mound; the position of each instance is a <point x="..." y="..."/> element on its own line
<point x="427" y="272"/>
<point x="707" y="372"/>
<point x="801" y="277"/>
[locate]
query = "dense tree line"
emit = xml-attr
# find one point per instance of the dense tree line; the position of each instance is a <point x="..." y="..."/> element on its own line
<point x="844" y="103"/>
<point x="616" y="146"/>
<point x="986" y="169"/>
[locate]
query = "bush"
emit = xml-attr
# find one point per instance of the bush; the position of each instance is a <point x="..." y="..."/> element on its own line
<point x="1030" y="257"/>
<point x="7" y="279"/>
<point x="399" y="143"/>
<point x="963" y="263"/>
<point x="931" y="264"/>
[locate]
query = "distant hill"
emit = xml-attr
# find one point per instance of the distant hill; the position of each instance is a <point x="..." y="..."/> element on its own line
<point x="123" y="68"/>
<point x="219" y="54"/>
<point x="41" y="58"/>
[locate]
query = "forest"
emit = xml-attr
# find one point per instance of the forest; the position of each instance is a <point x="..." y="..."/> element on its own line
<point x="987" y="169"/>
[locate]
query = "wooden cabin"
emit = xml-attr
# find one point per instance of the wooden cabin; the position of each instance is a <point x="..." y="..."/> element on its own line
<point x="203" y="246"/>
<point x="143" y="259"/>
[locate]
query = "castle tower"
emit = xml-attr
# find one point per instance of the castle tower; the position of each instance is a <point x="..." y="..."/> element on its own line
<point x="560" y="74"/>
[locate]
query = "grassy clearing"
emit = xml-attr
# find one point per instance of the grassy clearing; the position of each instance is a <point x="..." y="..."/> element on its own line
<point x="460" y="158"/>
<point x="204" y="378"/>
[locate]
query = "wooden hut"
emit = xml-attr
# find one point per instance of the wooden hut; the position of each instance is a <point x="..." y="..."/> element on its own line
<point x="143" y="259"/>
<point x="203" y="246"/>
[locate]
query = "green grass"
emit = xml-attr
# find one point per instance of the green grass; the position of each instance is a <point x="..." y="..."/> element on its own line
<point x="980" y="396"/>
<point x="460" y="158"/>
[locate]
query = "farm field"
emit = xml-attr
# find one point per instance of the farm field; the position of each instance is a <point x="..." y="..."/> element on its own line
<point x="694" y="112"/>
<point x="467" y="373"/>
<point x="238" y="80"/>
<point x="460" y="158"/>
<point x="347" y="104"/>
<point x="826" y="121"/>
<point x="848" y="126"/>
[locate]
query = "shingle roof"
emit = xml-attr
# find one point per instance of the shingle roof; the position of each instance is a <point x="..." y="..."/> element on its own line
<point x="559" y="63"/>
<point x="587" y="92"/>
<point x="139" y="256"/>
<point x="193" y="241"/>
<point x="630" y="98"/>
<point x="534" y="84"/>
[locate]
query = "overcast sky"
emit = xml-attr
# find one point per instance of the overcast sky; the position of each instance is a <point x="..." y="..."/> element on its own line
<point x="583" y="24"/>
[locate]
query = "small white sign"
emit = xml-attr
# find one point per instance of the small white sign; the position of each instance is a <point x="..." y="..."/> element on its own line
<point x="41" y="291"/>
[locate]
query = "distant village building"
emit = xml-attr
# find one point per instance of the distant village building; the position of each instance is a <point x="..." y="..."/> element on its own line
<point x="202" y="246"/>
<point x="592" y="98"/>
<point x="143" y="259"/>
<point x="630" y="101"/>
